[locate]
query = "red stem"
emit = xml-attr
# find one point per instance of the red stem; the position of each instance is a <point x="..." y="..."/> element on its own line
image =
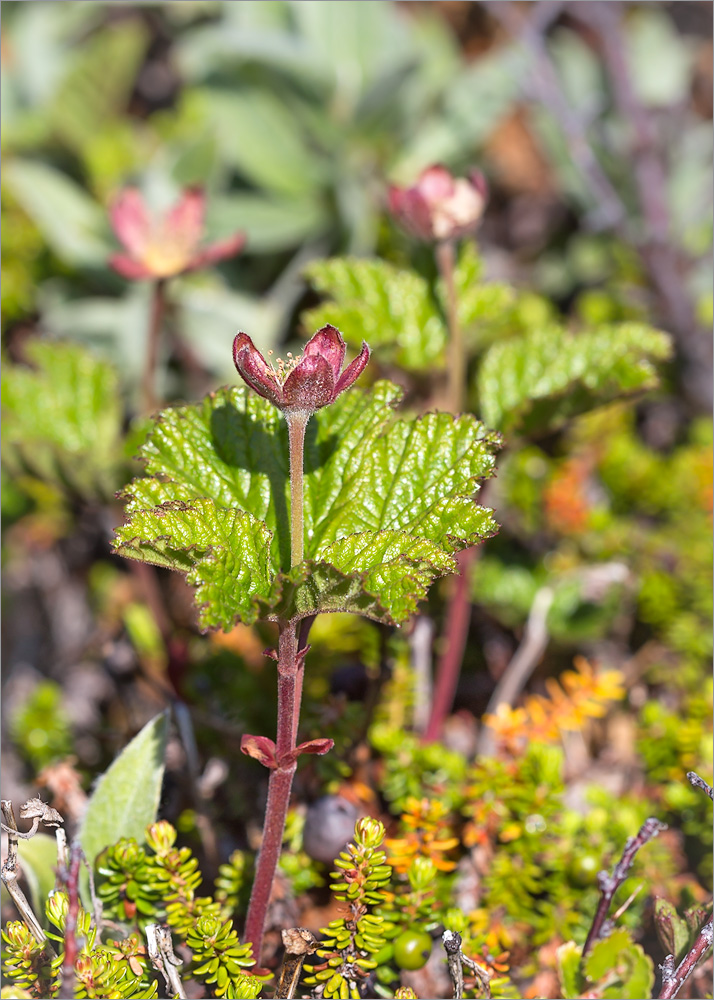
<point x="448" y="670"/>
<point x="456" y="361"/>
<point x="674" y="979"/>
<point x="609" y="884"/>
<point x="158" y="308"/>
<point x="70" y="927"/>
<point x="279" y="785"/>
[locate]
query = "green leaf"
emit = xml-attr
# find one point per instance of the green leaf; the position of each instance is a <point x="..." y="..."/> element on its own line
<point x="99" y="82"/>
<point x="483" y="307"/>
<point x="543" y="378"/>
<point x="125" y="799"/>
<point x="63" y="419"/>
<point x="391" y="309"/>
<point x="73" y="225"/>
<point x="618" y="958"/>
<point x="259" y="136"/>
<point x="181" y="535"/>
<point x="270" y="222"/>
<point x="386" y="503"/>
<point x="571" y="979"/>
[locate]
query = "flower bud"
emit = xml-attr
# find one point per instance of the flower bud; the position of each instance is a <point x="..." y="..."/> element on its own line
<point x="439" y="206"/>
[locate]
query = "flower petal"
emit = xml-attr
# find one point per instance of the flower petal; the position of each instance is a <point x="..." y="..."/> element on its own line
<point x="353" y="370"/>
<point x="261" y="748"/>
<point x="220" y="250"/>
<point x="435" y="183"/>
<point x="310" y="385"/>
<point x="129" y="268"/>
<point x="253" y="368"/>
<point x="131" y="221"/>
<point x="185" y="220"/>
<point x="328" y="343"/>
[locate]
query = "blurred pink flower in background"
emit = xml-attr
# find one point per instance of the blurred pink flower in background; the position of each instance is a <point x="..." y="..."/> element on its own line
<point x="165" y="245"/>
<point x="439" y="206"/>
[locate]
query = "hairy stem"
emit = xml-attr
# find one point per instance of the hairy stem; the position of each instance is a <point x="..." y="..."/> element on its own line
<point x="456" y="363"/>
<point x="158" y="309"/>
<point x="71" y="949"/>
<point x="279" y="785"/>
<point x="297" y="422"/>
<point x="458" y="616"/>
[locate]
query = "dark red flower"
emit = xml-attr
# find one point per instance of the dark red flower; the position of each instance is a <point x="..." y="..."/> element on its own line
<point x="439" y="206"/>
<point x="305" y="385"/>
<point x="163" y="246"/>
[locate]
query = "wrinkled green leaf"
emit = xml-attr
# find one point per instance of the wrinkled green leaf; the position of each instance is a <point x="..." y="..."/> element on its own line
<point x="126" y="797"/>
<point x="540" y="380"/>
<point x="386" y="504"/>
<point x="62" y="419"/>
<point x="374" y="301"/>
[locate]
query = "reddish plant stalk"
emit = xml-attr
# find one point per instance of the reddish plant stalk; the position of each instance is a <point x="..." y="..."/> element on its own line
<point x="156" y="320"/>
<point x="458" y="614"/>
<point x="70" y="927"/>
<point x="456" y="361"/>
<point x="292" y="639"/>
<point x="609" y="884"/>
<point x="448" y="671"/>
<point x="674" y="979"/>
<point x="279" y="786"/>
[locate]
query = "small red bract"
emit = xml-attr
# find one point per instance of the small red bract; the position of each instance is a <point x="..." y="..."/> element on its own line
<point x="308" y="384"/>
<point x="166" y="245"/>
<point x="439" y="206"/>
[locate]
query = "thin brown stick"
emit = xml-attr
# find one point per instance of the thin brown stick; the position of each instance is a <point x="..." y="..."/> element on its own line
<point x="674" y="979"/>
<point x="609" y="884"/>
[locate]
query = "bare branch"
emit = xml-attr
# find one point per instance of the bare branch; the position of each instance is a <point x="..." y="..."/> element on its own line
<point x="609" y="884"/>
<point x="9" y="878"/>
<point x="161" y="955"/>
<point x="698" y="782"/>
<point x="524" y="662"/>
<point x="674" y="979"/>
<point x="299" y="943"/>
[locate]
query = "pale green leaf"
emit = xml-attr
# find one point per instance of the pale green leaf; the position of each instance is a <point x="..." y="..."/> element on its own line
<point x="126" y="797"/>
<point x="73" y="225"/>
<point x="571" y="979"/>
<point x="540" y="380"/>
<point x="618" y="957"/>
<point x="270" y="222"/>
<point x="38" y="861"/>
<point x="62" y="419"/>
<point x="391" y="309"/>
<point x="484" y="307"/>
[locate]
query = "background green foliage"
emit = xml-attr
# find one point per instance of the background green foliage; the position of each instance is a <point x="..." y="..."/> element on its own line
<point x="294" y="115"/>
